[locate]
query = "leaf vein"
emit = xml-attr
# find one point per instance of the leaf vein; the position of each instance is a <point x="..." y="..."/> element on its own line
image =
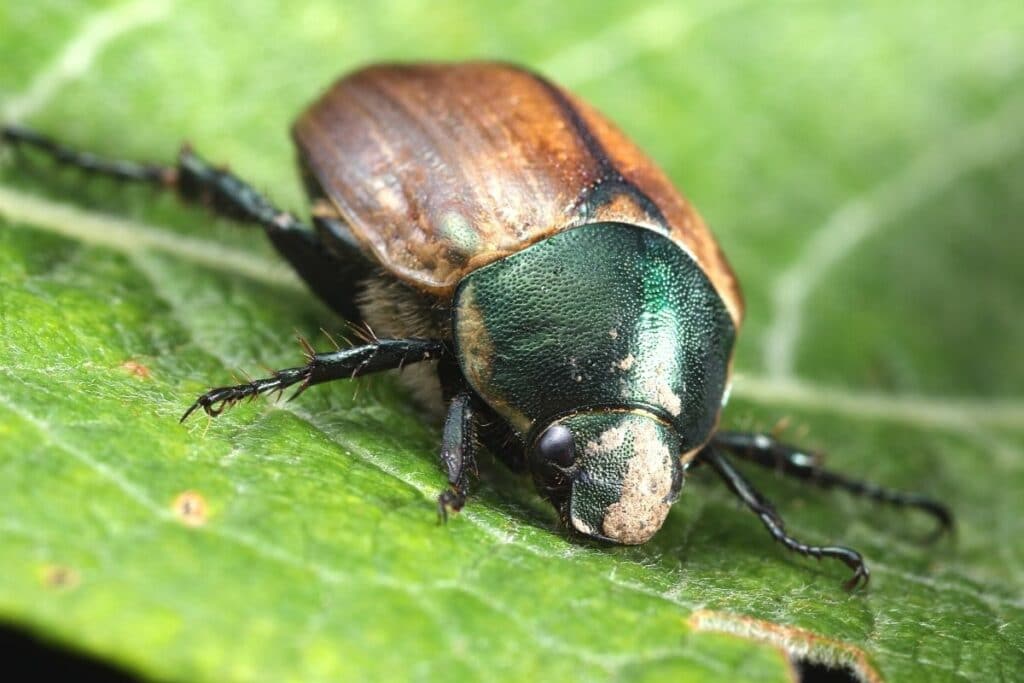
<point x="78" y="55"/>
<point x="983" y="143"/>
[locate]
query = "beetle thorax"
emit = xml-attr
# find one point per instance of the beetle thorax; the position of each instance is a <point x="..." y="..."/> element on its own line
<point x="605" y="315"/>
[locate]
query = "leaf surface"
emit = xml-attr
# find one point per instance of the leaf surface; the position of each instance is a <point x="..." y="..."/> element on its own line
<point x="861" y="167"/>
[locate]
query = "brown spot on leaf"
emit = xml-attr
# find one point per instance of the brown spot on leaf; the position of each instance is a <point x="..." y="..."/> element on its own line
<point x="59" y="577"/>
<point x="134" y="367"/>
<point x="190" y="508"/>
<point x="797" y="642"/>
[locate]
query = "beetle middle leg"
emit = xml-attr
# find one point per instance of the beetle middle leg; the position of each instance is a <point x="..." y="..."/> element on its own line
<point x="381" y="354"/>
<point x="798" y="463"/>
<point x="196" y="181"/>
<point x="757" y="504"/>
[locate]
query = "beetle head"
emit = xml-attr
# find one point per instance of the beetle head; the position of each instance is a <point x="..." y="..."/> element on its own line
<point x="613" y="474"/>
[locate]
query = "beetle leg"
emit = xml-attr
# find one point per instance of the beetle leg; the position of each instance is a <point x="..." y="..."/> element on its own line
<point x="746" y="492"/>
<point x="192" y="177"/>
<point x="197" y="181"/>
<point x="128" y="171"/>
<point x="381" y="354"/>
<point x="458" y="453"/>
<point x="794" y="462"/>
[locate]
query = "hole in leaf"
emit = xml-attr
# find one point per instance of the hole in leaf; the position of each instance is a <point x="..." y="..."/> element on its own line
<point x="43" y="661"/>
<point x="815" y="657"/>
<point x="816" y="672"/>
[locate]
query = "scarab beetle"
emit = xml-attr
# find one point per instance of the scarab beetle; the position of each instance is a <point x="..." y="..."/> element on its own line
<point x="575" y="313"/>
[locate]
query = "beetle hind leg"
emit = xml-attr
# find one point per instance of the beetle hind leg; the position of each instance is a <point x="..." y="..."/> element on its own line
<point x="127" y="171"/>
<point x="757" y="504"/>
<point x="799" y="464"/>
<point x="196" y="181"/>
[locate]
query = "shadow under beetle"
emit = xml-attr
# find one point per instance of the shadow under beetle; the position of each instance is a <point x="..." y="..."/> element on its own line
<point x="578" y="316"/>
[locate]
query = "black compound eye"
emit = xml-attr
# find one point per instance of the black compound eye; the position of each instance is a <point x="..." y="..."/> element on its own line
<point x="556" y="446"/>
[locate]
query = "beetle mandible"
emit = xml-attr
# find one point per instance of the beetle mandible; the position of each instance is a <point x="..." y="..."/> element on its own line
<point x="488" y="223"/>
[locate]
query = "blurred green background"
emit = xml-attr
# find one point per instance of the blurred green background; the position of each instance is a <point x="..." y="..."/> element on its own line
<point x="862" y="167"/>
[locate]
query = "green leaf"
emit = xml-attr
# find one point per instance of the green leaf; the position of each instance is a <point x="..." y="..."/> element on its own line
<point x="862" y="168"/>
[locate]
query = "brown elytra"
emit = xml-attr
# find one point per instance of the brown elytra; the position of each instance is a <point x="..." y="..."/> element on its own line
<point x="439" y="169"/>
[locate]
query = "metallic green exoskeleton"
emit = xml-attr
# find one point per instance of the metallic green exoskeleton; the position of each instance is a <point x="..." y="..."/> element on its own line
<point x="568" y="304"/>
<point x="614" y="332"/>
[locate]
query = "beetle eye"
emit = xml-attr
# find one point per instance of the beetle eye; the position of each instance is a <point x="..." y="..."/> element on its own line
<point x="556" y="446"/>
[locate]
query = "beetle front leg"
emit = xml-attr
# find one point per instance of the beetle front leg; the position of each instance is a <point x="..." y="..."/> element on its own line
<point x="798" y="463"/>
<point x="381" y="354"/>
<point x="458" y="453"/>
<point x="757" y="504"/>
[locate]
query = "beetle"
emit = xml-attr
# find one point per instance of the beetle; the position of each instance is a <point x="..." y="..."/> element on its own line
<point x="569" y="307"/>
